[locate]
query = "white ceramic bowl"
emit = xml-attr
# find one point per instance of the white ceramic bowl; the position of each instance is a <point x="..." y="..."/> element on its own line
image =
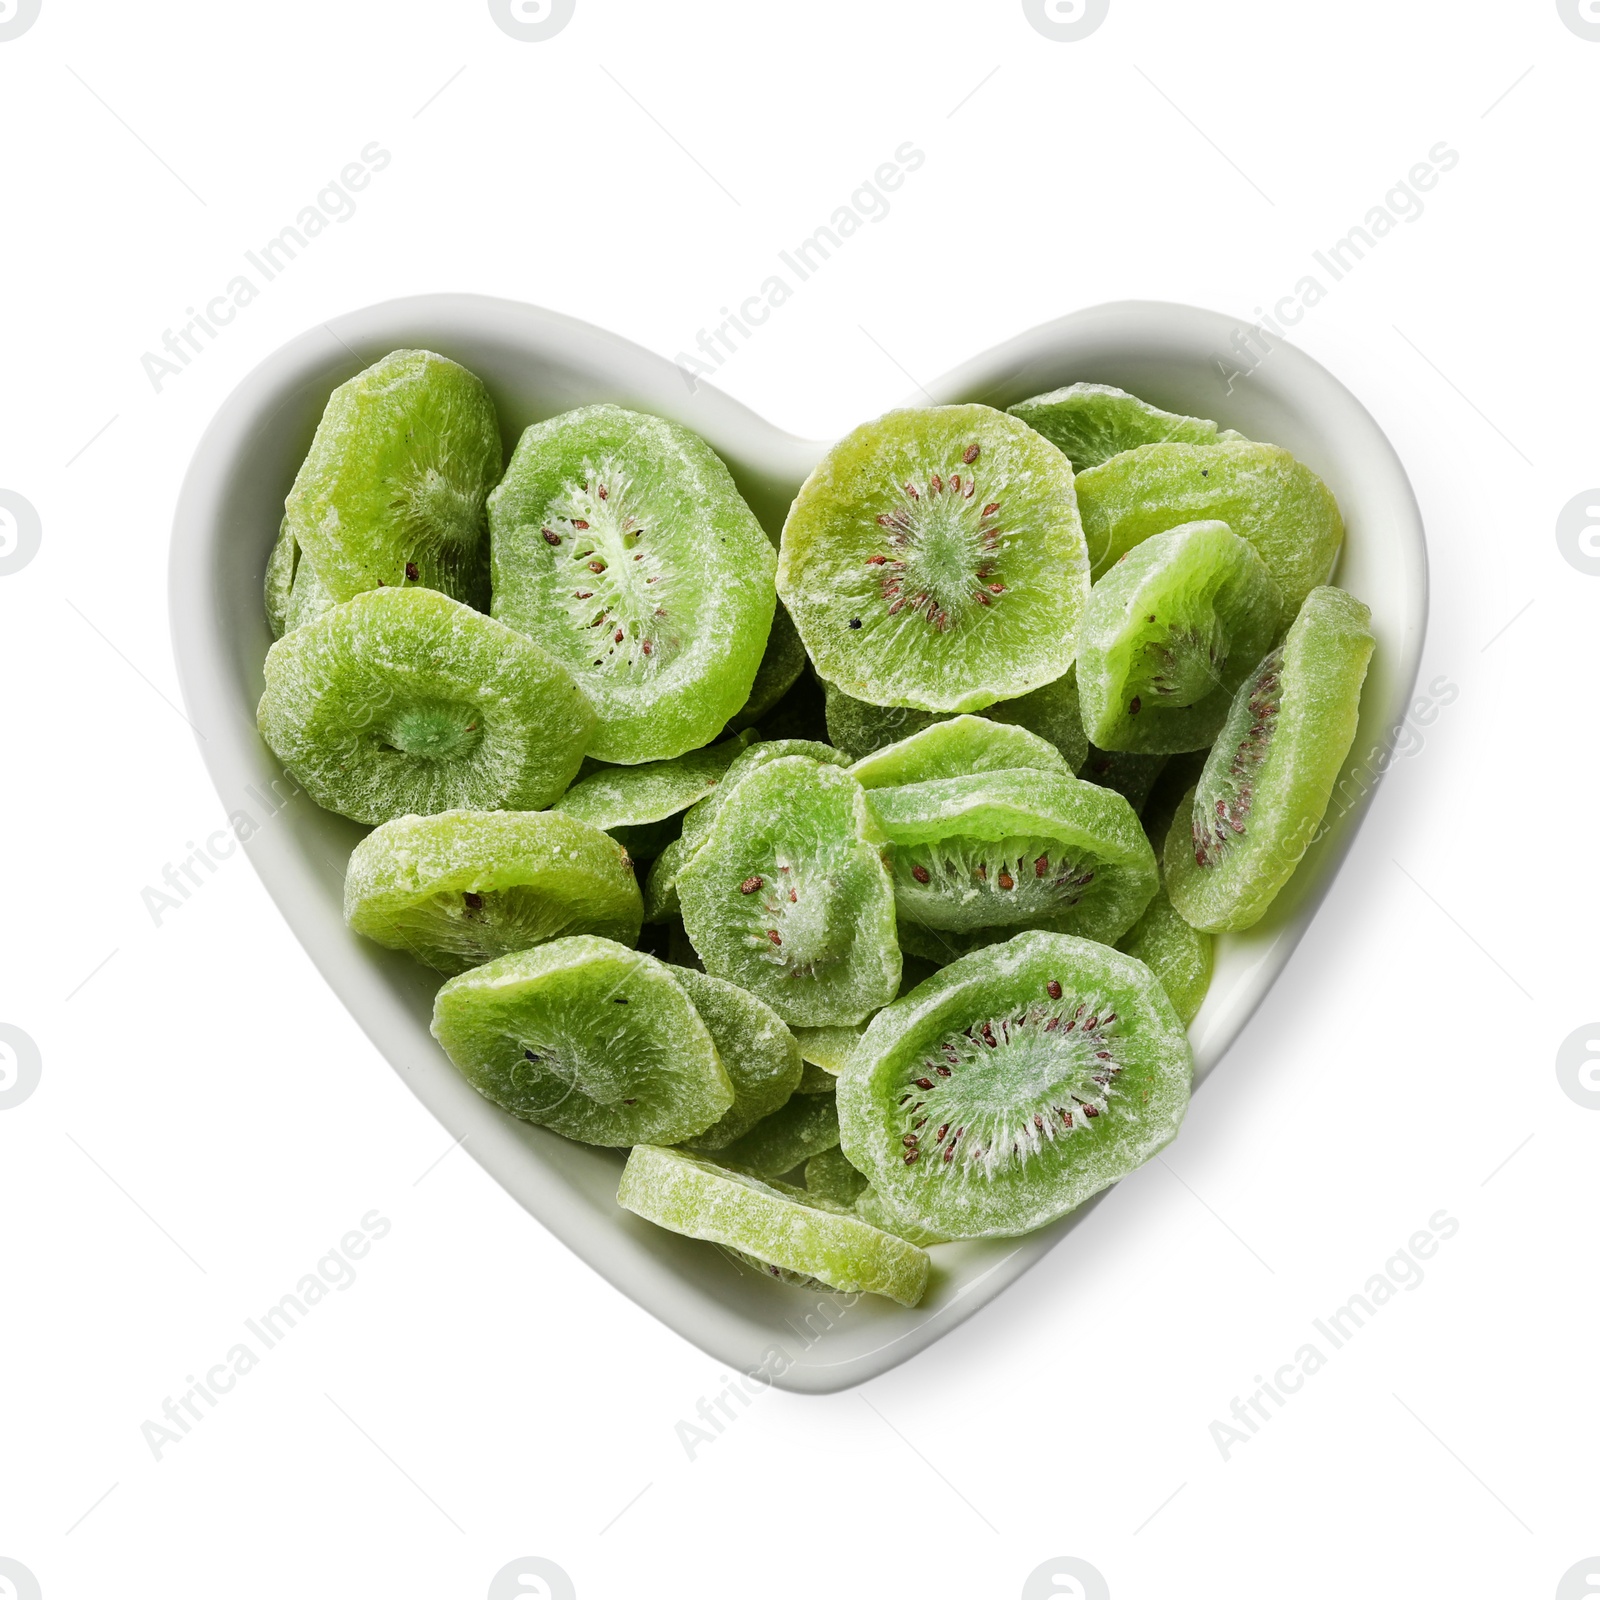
<point x="536" y="364"/>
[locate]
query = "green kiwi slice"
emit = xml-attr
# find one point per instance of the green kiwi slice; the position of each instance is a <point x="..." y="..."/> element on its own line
<point x="1169" y="634"/>
<point x="757" y="1051"/>
<point x="1181" y="957"/>
<point x="393" y="489"/>
<point x="404" y="700"/>
<point x="1265" y="786"/>
<point x="1273" y="502"/>
<point x="872" y="1207"/>
<point x="279" y="582"/>
<point x="816" y="1080"/>
<point x="1014" y="1084"/>
<point x="977" y="859"/>
<point x="792" y="1234"/>
<point x="781" y="665"/>
<point x="308" y="598"/>
<point x="1053" y="713"/>
<point x="619" y="542"/>
<point x="829" y="1176"/>
<point x="661" y="889"/>
<point x="791" y="1135"/>
<point x="935" y="559"/>
<point x="963" y="745"/>
<point x="789" y="896"/>
<point x="630" y="802"/>
<point x="1091" y="422"/>
<point x="588" y="1038"/>
<point x="826" y="1048"/>
<point x="460" y="888"/>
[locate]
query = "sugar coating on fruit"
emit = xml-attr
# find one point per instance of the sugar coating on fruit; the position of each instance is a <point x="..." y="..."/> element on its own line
<point x="620" y="543"/>
<point x="1181" y="957"/>
<point x="780" y="1142"/>
<point x="934" y="559"/>
<point x="1013" y="1085"/>
<point x="586" y="1037"/>
<point x="392" y="491"/>
<point x="830" y="1176"/>
<point x="461" y="888"/>
<point x="782" y="662"/>
<point x="1272" y="501"/>
<point x="1265" y="786"/>
<point x="757" y="1051"/>
<point x="789" y="895"/>
<point x="405" y="701"/>
<point x="1169" y="634"/>
<point x="963" y="745"/>
<point x="1091" y="422"/>
<point x="978" y="858"/>
<point x="778" y="1226"/>
<point x="618" y="797"/>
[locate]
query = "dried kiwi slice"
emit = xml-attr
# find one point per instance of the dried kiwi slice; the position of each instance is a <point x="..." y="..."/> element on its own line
<point x="403" y="700"/>
<point x="461" y="888"/>
<point x="829" y="1176"/>
<point x="952" y="749"/>
<point x="977" y="859"/>
<point x="1266" y="783"/>
<point x="827" y="1047"/>
<point x="661" y="890"/>
<point x="806" y="1126"/>
<point x="279" y="581"/>
<point x="934" y="559"/>
<point x="588" y="1038"/>
<point x="781" y="665"/>
<point x="1181" y="957"/>
<point x="1170" y="632"/>
<point x="629" y="802"/>
<point x="1091" y="422"/>
<point x="1052" y="713"/>
<point x="393" y="489"/>
<point x="817" y="1080"/>
<point x="1273" y="502"/>
<point x="757" y="1051"/>
<point x="308" y="596"/>
<point x="789" y="896"/>
<point x="1013" y="1085"/>
<point x="784" y="1229"/>
<point x="620" y="544"/>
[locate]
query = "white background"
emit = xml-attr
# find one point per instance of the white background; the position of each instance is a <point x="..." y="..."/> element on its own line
<point x="209" y="1121"/>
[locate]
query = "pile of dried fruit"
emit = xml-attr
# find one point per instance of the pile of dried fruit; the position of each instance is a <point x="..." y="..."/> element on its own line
<point x="924" y="954"/>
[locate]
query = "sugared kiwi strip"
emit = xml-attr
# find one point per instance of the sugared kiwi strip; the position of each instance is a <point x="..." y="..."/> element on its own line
<point x="785" y="1230"/>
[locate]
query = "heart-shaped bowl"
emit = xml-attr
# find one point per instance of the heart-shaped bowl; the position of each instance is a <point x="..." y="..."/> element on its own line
<point x="536" y="364"/>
